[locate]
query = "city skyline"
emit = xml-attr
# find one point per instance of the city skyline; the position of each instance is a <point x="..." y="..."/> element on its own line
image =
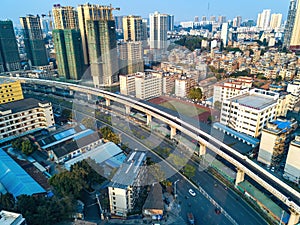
<point x="182" y="12"/>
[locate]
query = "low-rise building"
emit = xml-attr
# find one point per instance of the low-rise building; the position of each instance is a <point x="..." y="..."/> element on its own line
<point x="125" y="186"/>
<point x="249" y="112"/>
<point x="292" y="166"/>
<point x="154" y="205"/>
<point x="24" y="116"/>
<point x="275" y="139"/>
<point x="11" y="218"/>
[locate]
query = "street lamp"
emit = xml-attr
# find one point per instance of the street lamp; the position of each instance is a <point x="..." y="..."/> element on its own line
<point x="175" y="195"/>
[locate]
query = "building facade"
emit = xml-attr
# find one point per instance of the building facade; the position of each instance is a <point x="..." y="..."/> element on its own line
<point x="288" y="30"/>
<point x="295" y="39"/>
<point x="10" y="90"/>
<point x="131" y="57"/>
<point x="183" y="86"/>
<point x="91" y="12"/>
<point x="24" y="116"/>
<point x="292" y="166"/>
<point x="158" y="30"/>
<point x="276" y="19"/>
<point x="69" y="54"/>
<point x="102" y="46"/>
<point x="132" y="28"/>
<point x="249" y="112"/>
<point x="9" y="53"/>
<point x="34" y="40"/>
<point x="125" y="187"/>
<point x="275" y="139"/>
<point x="65" y="17"/>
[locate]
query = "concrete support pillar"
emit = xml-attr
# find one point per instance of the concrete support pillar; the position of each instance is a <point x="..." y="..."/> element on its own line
<point x="107" y="102"/>
<point x="89" y="97"/>
<point x="240" y="176"/>
<point x="173" y="132"/>
<point x="202" y="149"/>
<point x="149" y="119"/>
<point x="294" y="218"/>
<point x="53" y="89"/>
<point x="127" y="109"/>
<point x="71" y="92"/>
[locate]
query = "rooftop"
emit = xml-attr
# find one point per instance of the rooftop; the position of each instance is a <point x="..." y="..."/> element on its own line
<point x="129" y="170"/>
<point x="254" y="101"/>
<point x="15" y="179"/>
<point x="155" y="198"/>
<point x="280" y="126"/>
<point x="9" y="218"/>
<point x="6" y="80"/>
<point x="99" y="154"/>
<point x="21" y="105"/>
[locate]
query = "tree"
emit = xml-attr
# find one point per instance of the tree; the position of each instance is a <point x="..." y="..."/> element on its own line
<point x="28" y="147"/>
<point x="17" y="144"/>
<point x="109" y="135"/>
<point x="195" y="93"/>
<point x="88" y="122"/>
<point x="189" y="170"/>
<point x="218" y="105"/>
<point x="67" y="113"/>
<point x="7" y="201"/>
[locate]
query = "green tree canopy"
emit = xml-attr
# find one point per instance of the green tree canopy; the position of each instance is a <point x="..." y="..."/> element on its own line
<point x="195" y="93"/>
<point x="28" y="147"/>
<point x="88" y="122"/>
<point x="108" y="134"/>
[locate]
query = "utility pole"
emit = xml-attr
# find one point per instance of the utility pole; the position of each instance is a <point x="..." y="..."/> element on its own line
<point x="175" y="195"/>
<point x="101" y="211"/>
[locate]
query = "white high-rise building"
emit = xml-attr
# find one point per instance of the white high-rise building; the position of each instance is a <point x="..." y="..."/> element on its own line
<point x="224" y="34"/>
<point x="263" y="19"/>
<point x="159" y="25"/>
<point x="276" y="19"/>
<point x="292" y="166"/>
<point x="249" y="112"/>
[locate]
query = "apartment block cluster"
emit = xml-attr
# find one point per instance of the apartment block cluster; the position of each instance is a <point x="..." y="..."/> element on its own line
<point x="19" y="116"/>
<point x="258" y="117"/>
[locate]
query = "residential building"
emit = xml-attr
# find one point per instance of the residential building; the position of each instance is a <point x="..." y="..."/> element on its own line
<point x="237" y="21"/>
<point x="249" y="112"/>
<point x="221" y="19"/>
<point x="94" y="12"/>
<point x="292" y="165"/>
<point x="148" y="85"/>
<point x="158" y="30"/>
<point x="289" y="26"/>
<point x="10" y="90"/>
<point x="127" y="84"/>
<point x="230" y="88"/>
<point x="65" y="17"/>
<point x="24" y="116"/>
<point x="275" y="139"/>
<point x="276" y="19"/>
<point x="141" y="85"/>
<point x="263" y="19"/>
<point x="34" y="40"/>
<point x="294" y="89"/>
<point x="224" y="34"/>
<point x="119" y="23"/>
<point x="154" y="205"/>
<point x="168" y="83"/>
<point x="295" y="39"/>
<point x="132" y="28"/>
<point x="9" y="53"/>
<point x="69" y="54"/>
<point x="11" y="218"/>
<point x="125" y="186"/>
<point x="102" y="49"/>
<point x="183" y="86"/>
<point x="170" y="22"/>
<point x="131" y="57"/>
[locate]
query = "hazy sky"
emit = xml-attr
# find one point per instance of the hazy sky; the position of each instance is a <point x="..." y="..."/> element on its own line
<point x="182" y="10"/>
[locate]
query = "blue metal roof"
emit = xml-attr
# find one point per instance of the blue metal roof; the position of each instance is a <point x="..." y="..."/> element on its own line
<point x="253" y="141"/>
<point x="16" y="180"/>
<point x="283" y="124"/>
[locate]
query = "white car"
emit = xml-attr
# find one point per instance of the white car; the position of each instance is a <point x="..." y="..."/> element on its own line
<point x="192" y="193"/>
